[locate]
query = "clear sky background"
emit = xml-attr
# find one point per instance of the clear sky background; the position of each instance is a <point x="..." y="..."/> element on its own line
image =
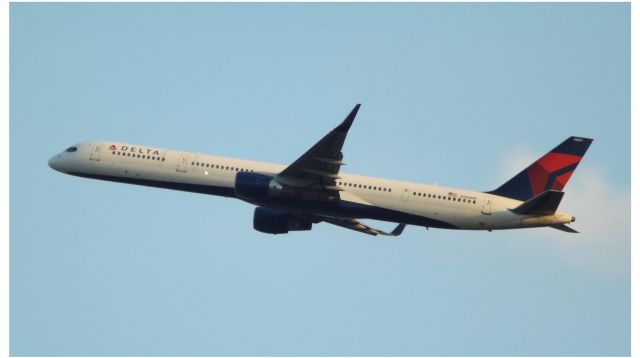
<point x="461" y="95"/>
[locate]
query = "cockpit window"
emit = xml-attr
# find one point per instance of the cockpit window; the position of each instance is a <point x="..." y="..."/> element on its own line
<point x="71" y="149"/>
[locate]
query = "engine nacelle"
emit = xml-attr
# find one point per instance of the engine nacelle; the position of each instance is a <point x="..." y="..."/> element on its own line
<point x="256" y="186"/>
<point x="273" y="221"/>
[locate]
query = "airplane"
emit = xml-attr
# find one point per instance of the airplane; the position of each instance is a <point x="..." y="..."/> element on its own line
<point x="312" y="189"/>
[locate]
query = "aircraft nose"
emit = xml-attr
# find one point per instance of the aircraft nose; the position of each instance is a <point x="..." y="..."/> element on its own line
<point x="54" y="162"/>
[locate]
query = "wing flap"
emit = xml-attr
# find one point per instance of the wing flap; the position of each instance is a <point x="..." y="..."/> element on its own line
<point x="322" y="173"/>
<point x="329" y="161"/>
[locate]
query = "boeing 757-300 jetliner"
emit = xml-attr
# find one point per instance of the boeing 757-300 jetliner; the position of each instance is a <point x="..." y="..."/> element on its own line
<point x="312" y="189"/>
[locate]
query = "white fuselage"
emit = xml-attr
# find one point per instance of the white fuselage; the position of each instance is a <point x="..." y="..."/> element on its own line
<point x="390" y="200"/>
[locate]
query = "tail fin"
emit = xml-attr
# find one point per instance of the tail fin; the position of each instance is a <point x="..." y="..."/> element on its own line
<point x="551" y="172"/>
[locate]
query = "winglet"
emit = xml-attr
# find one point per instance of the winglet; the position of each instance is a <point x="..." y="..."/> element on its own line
<point x="396" y="232"/>
<point x="346" y="124"/>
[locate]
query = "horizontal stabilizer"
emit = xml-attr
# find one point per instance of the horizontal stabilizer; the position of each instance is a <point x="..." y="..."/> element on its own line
<point x="564" y="228"/>
<point x="545" y="203"/>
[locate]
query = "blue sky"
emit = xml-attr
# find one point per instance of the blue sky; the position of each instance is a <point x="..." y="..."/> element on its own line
<point x="455" y="94"/>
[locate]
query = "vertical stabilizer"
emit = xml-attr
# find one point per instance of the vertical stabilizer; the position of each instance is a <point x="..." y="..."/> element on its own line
<point x="551" y="172"/>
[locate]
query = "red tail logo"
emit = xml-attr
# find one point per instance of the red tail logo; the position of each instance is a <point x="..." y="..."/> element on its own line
<point x="555" y="166"/>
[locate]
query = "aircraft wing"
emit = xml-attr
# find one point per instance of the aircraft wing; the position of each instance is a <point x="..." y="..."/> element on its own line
<point x="354" y="224"/>
<point x="317" y="169"/>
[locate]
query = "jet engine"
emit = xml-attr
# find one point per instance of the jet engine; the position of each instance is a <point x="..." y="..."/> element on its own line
<point x="256" y="186"/>
<point x="272" y="221"/>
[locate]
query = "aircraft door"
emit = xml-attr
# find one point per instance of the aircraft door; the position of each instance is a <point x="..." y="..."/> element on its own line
<point x="405" y="195"/>
<point x="486" y="207"/>
<point x="94" y="154"/>
<point x="183" y="163"/>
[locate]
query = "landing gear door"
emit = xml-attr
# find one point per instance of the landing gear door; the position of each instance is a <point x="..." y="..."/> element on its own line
<point x="94" y="154"/>
<point x="486" y="207"/>
<point x="183" y="163"/>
